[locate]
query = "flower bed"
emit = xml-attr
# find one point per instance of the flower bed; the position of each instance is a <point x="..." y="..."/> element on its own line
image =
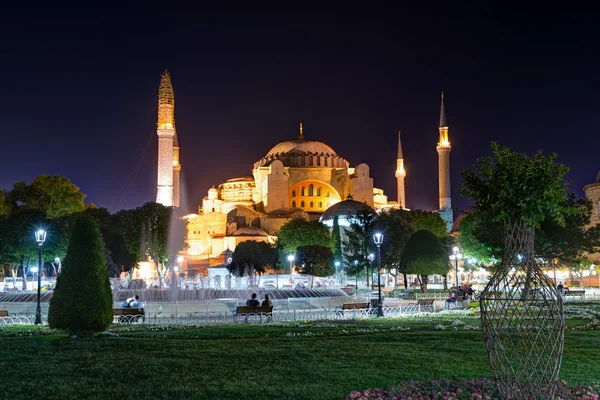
<point x="475" y="389"/>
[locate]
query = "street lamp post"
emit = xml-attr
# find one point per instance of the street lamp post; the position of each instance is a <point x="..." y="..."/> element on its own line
<point x="356" y="272"/>
<point x="456" y="256"/>
<point x="337" y="272"/>
<point x="378" y="239"/>
<point x="40" y="238"/>
<point x="291" y="260"/>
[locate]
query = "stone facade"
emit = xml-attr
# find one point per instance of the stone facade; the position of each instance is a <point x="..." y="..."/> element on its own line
<point x="298" y="178"/>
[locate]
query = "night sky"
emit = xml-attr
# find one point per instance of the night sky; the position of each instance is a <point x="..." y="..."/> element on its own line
<point x="79" y="90"/>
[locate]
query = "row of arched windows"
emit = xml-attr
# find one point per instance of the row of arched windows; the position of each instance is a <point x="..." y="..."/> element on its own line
<point x="311" y="204"/>
<point x="311" y="191"/>
<point x="313" y="161"/>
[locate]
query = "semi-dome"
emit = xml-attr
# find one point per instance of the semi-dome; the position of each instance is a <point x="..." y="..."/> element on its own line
<point x="250" y="231"/>
<point x="344" y="210"/>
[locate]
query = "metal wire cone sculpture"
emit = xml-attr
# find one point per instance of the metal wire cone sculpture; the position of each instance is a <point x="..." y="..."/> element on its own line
<point x="522" y="321"/>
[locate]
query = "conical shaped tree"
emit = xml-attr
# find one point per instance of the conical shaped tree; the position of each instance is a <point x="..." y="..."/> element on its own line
<point x="424" y="255"/>
<point x="82" y="300"/>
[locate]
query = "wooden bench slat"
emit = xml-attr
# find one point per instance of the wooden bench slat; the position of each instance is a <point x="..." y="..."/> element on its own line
<point x="3" y="313"/>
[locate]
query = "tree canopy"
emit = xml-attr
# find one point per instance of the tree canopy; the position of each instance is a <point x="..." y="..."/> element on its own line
<point x="250" y="257"/>
<point x="509" y="186"/>
<point x="56" y="196"/>
<point x="315" y="260"/>
<point x="299" y="232"/>
<point x="424" y="255"/>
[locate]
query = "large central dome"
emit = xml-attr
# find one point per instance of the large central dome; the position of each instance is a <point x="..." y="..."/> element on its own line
<point x="301" y="146"/>
<point x="303" y="153"/>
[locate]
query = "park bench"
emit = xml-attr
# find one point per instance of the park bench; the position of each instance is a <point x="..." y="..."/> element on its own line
<point x="4" y="314"/>
<point x="426" y="304"/>
<point x="128" y="315"/>
<point x="339" y="310"/>
<point x="247" y="311"/>
<point x="575" y="293"/>
<point x="408" y="295"/>
<point x="459" y="303"/>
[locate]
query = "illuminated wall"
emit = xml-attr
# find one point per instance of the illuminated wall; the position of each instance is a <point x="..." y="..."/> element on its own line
<point x="312" y="196"/>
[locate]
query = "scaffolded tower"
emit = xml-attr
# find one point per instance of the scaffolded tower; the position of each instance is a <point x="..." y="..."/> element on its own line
<point x="169" y="168"/>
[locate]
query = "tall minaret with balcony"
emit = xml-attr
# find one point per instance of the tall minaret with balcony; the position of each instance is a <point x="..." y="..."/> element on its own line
<point x="176" y="172"/>
<point x="400" y="174"/>
<point x="443" y="149"/>
<point x="166" y="134"/>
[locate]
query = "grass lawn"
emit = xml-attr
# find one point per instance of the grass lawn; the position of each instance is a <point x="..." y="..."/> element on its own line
<point x="255" y="361"/>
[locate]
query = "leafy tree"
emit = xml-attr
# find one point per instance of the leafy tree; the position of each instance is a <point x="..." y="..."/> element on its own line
<point x="479" y="241"/>
<point x="82" y="299"/>
<point x="567" y="240"/>
<point x="359" y="243"/>
<point x="396" y="229"/>
<point x="299" y="232"/>
<point x="4" y="202"/>
<point x="19" y="248"/>
<point x="113" y="239"/>
<point x="419" y="219"/>
<point x="56" y="196"/>
<point x="147" y="231"/>
<point x="315" y="260"/>
<point x="509" y="187"/>
<point x="337" y="238"/>
<point x="251" y="257"/>
<point x="424" y="255"/>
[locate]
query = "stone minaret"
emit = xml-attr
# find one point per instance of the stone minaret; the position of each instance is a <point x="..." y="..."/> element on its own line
<point x="176" y="172"/>
<point x="166" y="133"/>
<point x="443" y="149"/>
<point x="400" y="174"/>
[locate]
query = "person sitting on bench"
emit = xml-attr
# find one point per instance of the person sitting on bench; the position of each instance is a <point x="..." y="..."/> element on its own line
<point x="267" y="301"/>
<point x="253" y="302"/>
<point x="136" y="302"/>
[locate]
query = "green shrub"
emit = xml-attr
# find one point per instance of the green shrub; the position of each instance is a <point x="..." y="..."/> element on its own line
<point x="82" y="299"/>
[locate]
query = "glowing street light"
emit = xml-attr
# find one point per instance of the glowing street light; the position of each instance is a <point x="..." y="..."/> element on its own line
<point x="40" y="238"/>
<point x="290" y="258"/>
<point x="456" y="256"/>
<point x="378" y="239"/>
<point x="371" y="257"/>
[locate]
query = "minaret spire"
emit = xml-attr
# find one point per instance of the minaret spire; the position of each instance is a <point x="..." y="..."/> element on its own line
<point x="301" y="135"/>
<point x="168" y="153"/>
<point x="443" y="149"/>
<point x="443" y="122"/>
<point x="400" y="174"/>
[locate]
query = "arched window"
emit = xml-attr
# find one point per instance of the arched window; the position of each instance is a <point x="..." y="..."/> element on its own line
<point x="327" y="195"/>
<point x="293" y="203"/>
<point x="599" y="208"/>
<point x="302" y="160"/>
<point x="318" y="191"/>
<point x="311" y="189"/>
<point x="311" y="205"/>
<point x="293" y="193"/>
<point x="302" y="204"/>
<point x="302" y="191"/>
<point x="310" y="160"/>
<point x="320" y="204"/>
<point x="318" y="161"/>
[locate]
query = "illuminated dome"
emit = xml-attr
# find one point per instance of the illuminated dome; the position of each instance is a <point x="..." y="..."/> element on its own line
<point x="301" y="146"/>
<point x="302" y="153"/>
<point x="344" y="210"/>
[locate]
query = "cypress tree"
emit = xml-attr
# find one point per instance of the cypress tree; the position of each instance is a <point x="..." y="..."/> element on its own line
<point x="82" y="299"/>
